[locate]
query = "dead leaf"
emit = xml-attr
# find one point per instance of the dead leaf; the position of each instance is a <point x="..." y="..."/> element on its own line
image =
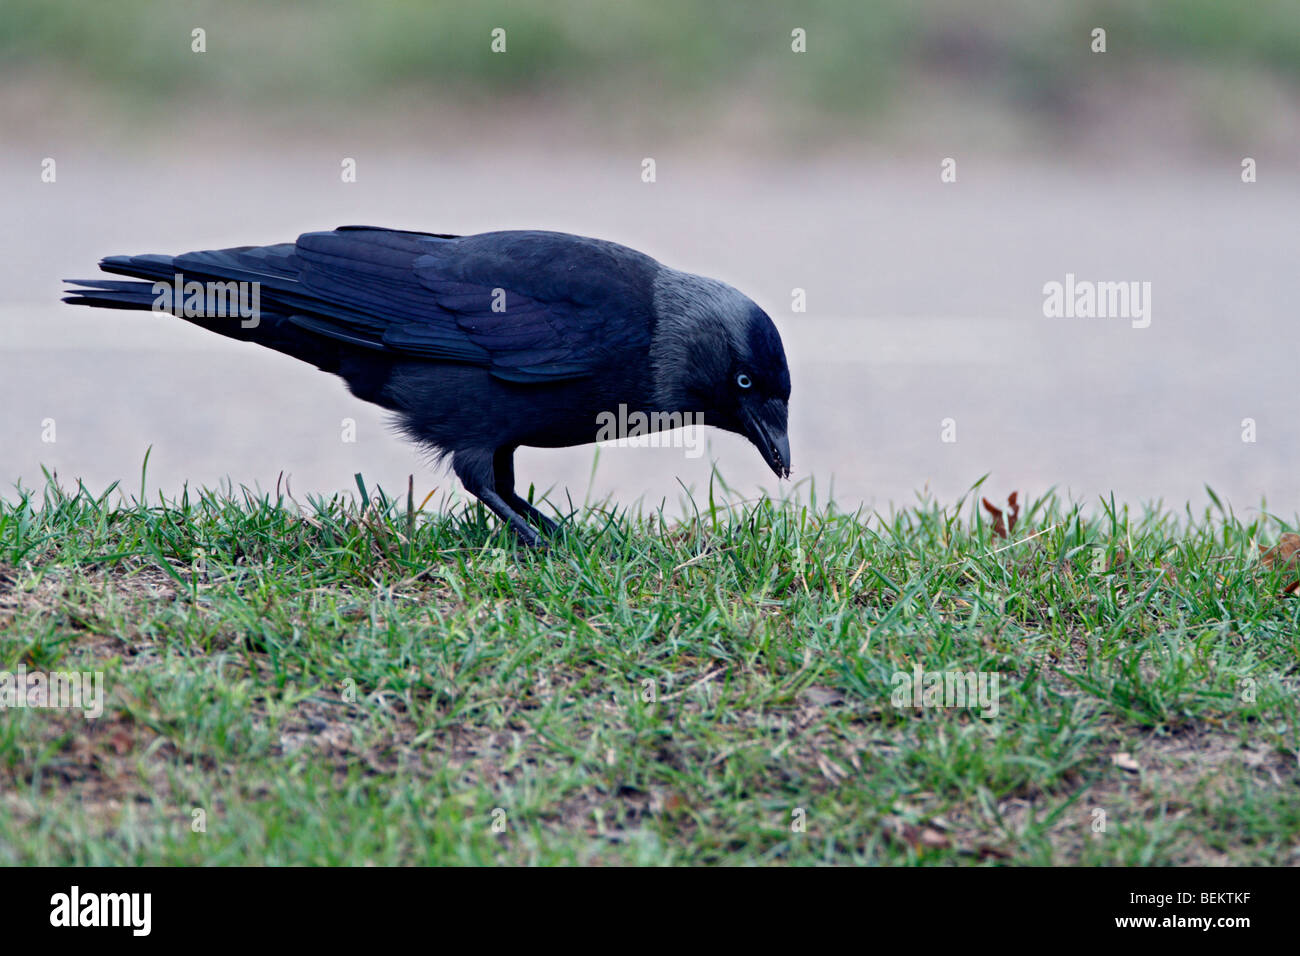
<point x="1125" y="761"/>
<point x="999" y="527"/>
<point x="1004" y="523"/>
<point x="915" y="836"/>
<point x="1283" y="554"/>
<point x="820" y="697"/>
<point x="830" y="769"/>
<point x="932" y="837"/>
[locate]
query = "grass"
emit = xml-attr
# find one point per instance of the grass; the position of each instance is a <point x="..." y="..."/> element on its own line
<point x="366" y="681"/>
<point x="136" y="54"/>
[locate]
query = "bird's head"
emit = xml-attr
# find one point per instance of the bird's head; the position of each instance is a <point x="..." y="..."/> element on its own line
<point x="717" y="354"/>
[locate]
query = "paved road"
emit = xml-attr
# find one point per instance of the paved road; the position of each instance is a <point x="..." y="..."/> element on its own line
<point x="925" y="303"/>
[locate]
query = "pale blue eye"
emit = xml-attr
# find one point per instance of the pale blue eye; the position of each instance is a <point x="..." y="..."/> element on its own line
<point x="743" y="380"/>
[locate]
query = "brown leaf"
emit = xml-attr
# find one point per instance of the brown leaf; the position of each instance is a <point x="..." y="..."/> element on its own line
<point x="1003" y="525"/>
<point x="817" y="697"/>
<point x="999" y="527"/>
<point x="932" y="837"/>
<point x="1125" y="761"/>
<point x="830" y="769"/>
<point x="1283" y="554"/>
<point x="917" y="837"/>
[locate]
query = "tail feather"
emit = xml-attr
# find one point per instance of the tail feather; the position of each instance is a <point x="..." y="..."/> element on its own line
<point x="267" y="266"/>
<point x="111" y="295"/>
<point x="276" y="270"/>
<point x="289" y="318"/>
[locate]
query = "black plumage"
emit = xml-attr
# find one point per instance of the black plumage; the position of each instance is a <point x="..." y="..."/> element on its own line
<point x="483" y="343"/>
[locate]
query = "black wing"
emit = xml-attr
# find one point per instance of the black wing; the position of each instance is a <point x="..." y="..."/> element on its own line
<point x="528" y="306"/>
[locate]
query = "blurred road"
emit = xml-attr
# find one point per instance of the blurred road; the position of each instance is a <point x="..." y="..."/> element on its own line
<point x="925" y="302"/>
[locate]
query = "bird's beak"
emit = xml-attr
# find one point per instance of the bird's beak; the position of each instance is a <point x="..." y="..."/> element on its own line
<point x="766" y="428"/>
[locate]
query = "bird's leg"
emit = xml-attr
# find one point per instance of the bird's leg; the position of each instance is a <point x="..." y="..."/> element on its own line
<point x="474" y="469"/>
<point x="503" y="465"/>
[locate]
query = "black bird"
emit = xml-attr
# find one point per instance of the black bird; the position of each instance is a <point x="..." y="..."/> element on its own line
<point x="483" y="343"/>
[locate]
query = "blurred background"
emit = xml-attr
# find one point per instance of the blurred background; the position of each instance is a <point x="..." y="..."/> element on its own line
<point x="776" y="170"/>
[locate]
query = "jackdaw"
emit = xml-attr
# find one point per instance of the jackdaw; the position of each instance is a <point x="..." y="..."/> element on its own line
<point x="483" y="343"/>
